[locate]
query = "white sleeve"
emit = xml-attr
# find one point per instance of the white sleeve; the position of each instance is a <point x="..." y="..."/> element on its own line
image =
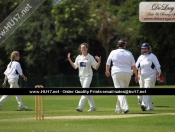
<point x="157" y="64"/>
<point x="93" y="62"/>
<point x="158" y="70"/>
<point x="138" y="62"/>
<point x="133" y="61"/>
<point x="76" y="62"/>
<point x="109" y="59"/>
<point x="18" y="68"/>
<point x="6" y="72"/>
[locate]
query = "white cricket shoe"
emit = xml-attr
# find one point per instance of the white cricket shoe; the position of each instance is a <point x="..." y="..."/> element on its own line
<point x="118" y="111"/>
<point x="22" y="108"/>
<point x="92" y="109"/>
<point x="79" y="110"/>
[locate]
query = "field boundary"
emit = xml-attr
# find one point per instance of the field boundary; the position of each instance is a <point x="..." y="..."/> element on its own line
<point x="88" y="117"/>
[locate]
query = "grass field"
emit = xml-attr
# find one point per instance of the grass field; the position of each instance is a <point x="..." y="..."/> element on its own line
<point x="61" y="116"/>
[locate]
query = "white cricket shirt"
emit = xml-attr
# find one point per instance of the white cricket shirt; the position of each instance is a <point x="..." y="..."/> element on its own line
<point x="122" y="61"/>
<point x="14" y="71"/>
<point x="149" y="64"/>
<point x="85" y="64"/>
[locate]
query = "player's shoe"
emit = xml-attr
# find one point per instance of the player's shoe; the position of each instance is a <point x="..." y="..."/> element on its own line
<point x="22" y="108"/>
<point x="79" y="110"/>
<point x="143" y="107"/>
<point x="92" y="109"/>
<point x="118" y="111"/>
<point x="125" y="112"/>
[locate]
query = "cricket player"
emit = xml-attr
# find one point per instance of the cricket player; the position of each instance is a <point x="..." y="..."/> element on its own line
<point x="12" y="75"/>
<point x="121" y="71"/>
<point x="139" y="97"/>
<point x="84" y="63"/>
<point x="149" y="68"/>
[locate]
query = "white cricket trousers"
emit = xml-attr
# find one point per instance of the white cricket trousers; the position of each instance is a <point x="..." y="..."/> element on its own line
<point x="121" y="80"/>
<point x="147" y="100"/>
<point x="13" y="84"/>
<point x="85" y="83"/>
<point x="141" y="86"/>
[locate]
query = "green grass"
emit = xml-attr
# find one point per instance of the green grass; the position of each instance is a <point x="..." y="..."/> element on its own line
<point x="12" y="120"/>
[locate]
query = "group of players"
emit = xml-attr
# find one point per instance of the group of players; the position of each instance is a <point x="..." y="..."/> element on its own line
<point x="146" y="70"/>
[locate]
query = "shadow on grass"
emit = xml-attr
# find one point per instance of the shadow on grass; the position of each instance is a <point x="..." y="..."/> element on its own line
<point x="25" y="110"/>
<point x="143" y="113"/>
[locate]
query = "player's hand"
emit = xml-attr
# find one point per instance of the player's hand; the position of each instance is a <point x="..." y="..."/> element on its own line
<point x="136" y="79"/>
<point x="98" y="58"/>
<point x="4" y="84"/>
<point x="68" y="55"/>
<point x="138" y="76"/>
<point x="25" y="79"/>
<point x="160" y="78"/>
<point x="107" y="73"/>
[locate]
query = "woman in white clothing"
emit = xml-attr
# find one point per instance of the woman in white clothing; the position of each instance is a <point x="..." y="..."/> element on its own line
<point x="121" y="71"/>
<point x="150" y="69"/>
<point x="140" y="82"/>
<point x="84" y="63"/>
<point x="12" y="75"/>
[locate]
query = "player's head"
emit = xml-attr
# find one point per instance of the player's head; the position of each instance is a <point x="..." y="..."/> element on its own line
<point x="84" y="47"/>
<point x="14" y="56"/>
<point x="145" y="48"/>
<point x="121" y="43"/>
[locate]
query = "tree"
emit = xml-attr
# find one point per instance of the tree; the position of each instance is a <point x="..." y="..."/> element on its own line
<point x="35" y="40"/>
<point x="72" y="21"/>
<point x="106" y="21"/>
<point x="6" y="7"/>
<point x="91" y="21"/>
<point x="129" y="25"/>
<point x="75" y="25"/>
<point x="159" y="35"/>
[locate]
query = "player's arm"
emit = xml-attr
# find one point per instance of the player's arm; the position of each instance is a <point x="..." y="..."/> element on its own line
<point x="99" y="62"/>
<point x="133" y="67"/>
<point x="157" y="65"/>
<point x="24" y="77"/>
<point x="107" y="70"/>
<point x="5" y="80"/>
<point x="19" y="69"/>
<point x="135" y="72"/>
<point x="138" y="62"/>
<point x="72" y="64"/>
<point x="108" y="64"/>
<point x="139" y="72"/>
<point x="159" y="72"/>
<point x="138" y="67"/>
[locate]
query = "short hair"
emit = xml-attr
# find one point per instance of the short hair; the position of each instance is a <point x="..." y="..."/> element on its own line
<point x="86" y="44"/>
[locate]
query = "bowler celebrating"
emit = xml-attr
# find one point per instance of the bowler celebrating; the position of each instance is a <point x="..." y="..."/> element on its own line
<point x="84" y="62"/>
